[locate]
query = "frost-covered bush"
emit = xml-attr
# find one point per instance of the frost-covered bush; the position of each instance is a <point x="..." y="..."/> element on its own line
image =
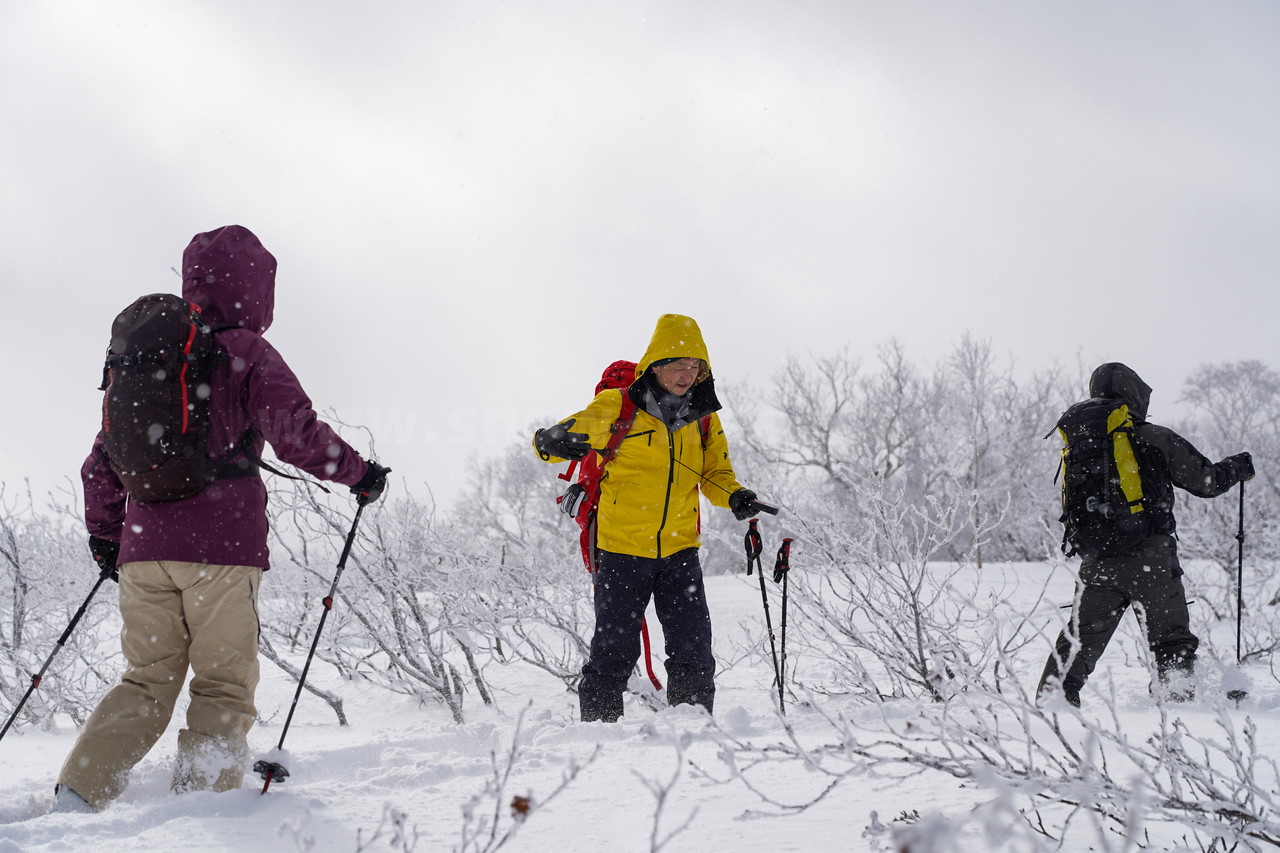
<point x="967" y="423"/>
<point x="1235" y="407"/>
<point x="427" y="603"/>
<point x="405" y="615"/>
<point x="537" y="588"/>
<point x="881" y="615"/>
<point x="46" y="574"/>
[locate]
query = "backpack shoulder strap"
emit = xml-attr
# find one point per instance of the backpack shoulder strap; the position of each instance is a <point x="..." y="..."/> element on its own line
<point x="621" y="426"/>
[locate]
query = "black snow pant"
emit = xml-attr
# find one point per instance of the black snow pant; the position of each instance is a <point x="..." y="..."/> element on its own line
<point x="623" y="586"/>
<point x="1150" y="579"/>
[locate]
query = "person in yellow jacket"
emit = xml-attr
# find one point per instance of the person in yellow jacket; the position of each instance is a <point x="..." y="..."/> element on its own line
<point x="647" y="520"/>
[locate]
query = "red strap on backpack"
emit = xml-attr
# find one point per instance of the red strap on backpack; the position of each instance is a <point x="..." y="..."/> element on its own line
<point x="591" y="471"/>
<point x="621" y="426"/>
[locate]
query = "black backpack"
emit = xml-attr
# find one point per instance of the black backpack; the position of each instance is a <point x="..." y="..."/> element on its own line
<point x="1104" y="506"/>
<point x="155" y="410"/>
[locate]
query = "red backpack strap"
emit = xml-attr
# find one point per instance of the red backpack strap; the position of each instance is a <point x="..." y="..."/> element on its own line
<point x="591" y="471"/>
<point x="620" y="428"/>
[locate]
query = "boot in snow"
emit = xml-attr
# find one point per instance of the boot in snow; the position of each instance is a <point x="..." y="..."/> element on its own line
<point x="67" y="801"/>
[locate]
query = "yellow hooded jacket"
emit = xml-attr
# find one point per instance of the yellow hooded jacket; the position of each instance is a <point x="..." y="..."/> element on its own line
<point x="649" y="494"/>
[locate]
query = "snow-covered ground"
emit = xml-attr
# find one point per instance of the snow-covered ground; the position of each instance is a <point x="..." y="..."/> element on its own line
<point x="405" y="777"/>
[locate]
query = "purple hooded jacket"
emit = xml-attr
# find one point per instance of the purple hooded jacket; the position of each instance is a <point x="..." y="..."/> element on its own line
<point x="231" y="276"/>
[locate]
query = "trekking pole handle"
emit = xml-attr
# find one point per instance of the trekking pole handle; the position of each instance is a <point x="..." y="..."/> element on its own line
<point x="782" y="564"/>
<point x="753" y="544"/>
<point x="1240" y="529"/>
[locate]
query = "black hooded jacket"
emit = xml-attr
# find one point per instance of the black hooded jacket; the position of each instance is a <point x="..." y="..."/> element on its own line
<point x="1167" y="459"/>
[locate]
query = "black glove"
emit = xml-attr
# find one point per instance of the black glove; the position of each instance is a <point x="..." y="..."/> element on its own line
<point x="370" y="487"/>
<point x="743" y="504"/>
<point x="1243" y="465"/>
<point x="105" y="553"/>
<point x="558" y="441"/>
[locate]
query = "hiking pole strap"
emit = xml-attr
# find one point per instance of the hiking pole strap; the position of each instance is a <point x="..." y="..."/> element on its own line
<point x="782" y="564"/>
<point x="753" y="545"/>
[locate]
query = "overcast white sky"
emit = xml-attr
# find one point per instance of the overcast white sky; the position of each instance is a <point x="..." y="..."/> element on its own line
<point x="476" y="205"/>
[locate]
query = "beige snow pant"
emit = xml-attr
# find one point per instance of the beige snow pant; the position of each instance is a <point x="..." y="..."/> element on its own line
<point x="176" y="614"/>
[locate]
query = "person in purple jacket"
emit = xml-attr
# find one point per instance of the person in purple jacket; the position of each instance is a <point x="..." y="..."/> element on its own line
<point x="189" y="569"/>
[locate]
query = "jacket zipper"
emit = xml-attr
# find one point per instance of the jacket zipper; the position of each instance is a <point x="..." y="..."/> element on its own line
<point x="671" y="475"/>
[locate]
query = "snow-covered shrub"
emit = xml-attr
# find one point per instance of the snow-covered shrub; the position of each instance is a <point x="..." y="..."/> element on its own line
<point x="967" y="422"/>
<point x="404" y="614"/>
<point x="1235" y="407"/>
<point x="1166" y="779"/>
<point x="427" y="603"/>
<point x="46" y="574"/>
<point x="885" y="620"/>
<point x="537" y="590"/>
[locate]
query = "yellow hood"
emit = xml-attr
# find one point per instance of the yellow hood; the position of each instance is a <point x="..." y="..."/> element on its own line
<point x="676" y="336"/>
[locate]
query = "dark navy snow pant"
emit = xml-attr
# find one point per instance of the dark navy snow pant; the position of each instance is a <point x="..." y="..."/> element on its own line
<point x="623" y="586"/>
<point x="1151" y="579"/>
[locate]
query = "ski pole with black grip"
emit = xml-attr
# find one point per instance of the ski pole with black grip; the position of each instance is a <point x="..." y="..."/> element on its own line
<point x="1238" y="694"/>
<point x="1240" y="574"/>
<point x="781" y="571"/>
<point x="754" y="546"/>
<point x="62" y="641"/>
<point x="269" y="770"/>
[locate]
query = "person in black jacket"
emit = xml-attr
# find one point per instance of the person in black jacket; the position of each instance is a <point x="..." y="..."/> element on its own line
<point x="1148" y="577"/>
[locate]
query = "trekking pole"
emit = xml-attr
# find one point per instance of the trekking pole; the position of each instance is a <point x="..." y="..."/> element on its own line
<point x="754" y="547"/>
<point x="269" y="770"/>
<point x="781" y="571"/>
<point x="1240" y="574"/>
<point x="39" y="676"/>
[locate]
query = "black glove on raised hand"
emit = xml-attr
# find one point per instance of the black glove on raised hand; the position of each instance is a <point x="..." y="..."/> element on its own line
<point x="1243" y="464"/>
<point x="559" y="442"/>
<point x="743" y="504"/>
<point x="105" y="553"/>
<point x="370" y="487"/>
